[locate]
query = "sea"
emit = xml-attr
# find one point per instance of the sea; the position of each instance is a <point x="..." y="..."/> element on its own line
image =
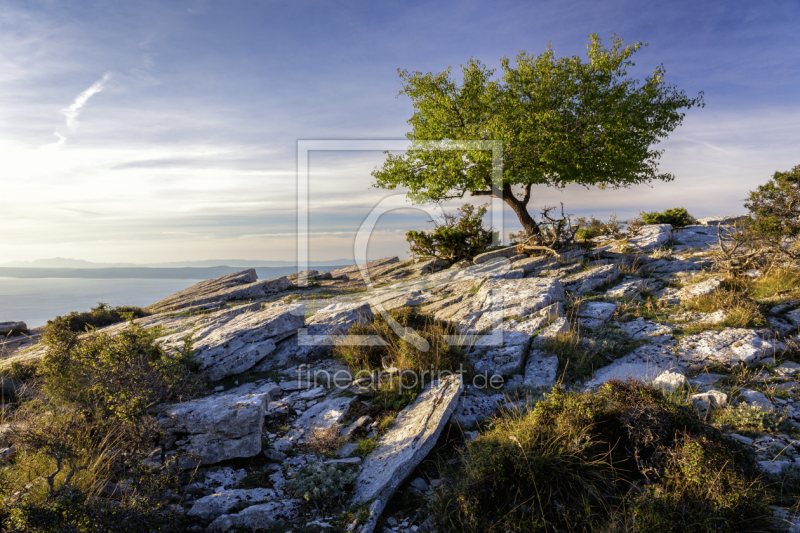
<point x="35" y="301"/>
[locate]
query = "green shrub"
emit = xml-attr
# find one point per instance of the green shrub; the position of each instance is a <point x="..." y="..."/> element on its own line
<point x="99" y="317"/>
<point x="578" y="462"/>
<point x="322" y="484"/>
<point x="678" y="217"/>
<point x="745" y="416"/>
<point x="775" y="208"/>
<point x="114" y="377"/>
<point x="589" y="229"/>
<point x="455" y="237"/>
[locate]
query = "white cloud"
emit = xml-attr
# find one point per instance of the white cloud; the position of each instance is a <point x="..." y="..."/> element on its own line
<point x="71" y="113"/>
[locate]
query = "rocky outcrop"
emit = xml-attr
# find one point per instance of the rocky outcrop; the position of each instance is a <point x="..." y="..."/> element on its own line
<point x="650" y="237"/>
<point x="511" y="251"/>
<point x="401" y="449"/>
<point x="729" y="347"/>
<point x="246" y="339"/>
<point x="259" y="517"/>
<point x="375" y="269"/>
<point x="219" y="427"/>
<point x="13" y="328"/>
<point x="591" y="279"/>
<point x="242" y="285"/>
<point x="725" y="220"/>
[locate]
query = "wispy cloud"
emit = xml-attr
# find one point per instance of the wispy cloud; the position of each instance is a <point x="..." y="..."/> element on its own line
<point x="71" y="113"/>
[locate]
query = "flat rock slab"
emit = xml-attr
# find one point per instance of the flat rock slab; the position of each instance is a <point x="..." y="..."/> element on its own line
<point x="560" y="325"/>
<point x="759" y="399"/>
<point x="702" y="237"/>
<point x="672" y="266"/>
<point x="511" y="251"/>
<point x="703" y="288"/>
<point x="476" y="404"/>
<point x="723" y="220"/>
<point x="631" y="288"/>
<point x="245" y="340"/>
<point x="644" y="364"/>
<point x="595" y="314"/>
<point x="505" y="360"/>
<point x="259" y="517"/>
<point x="402" y="448"/>
<point x="242" y="285"/>
<point x="324" y="415"/>
<point x="591" y="279"/>
<point x="228" y="501"/>
<point x="375" y="268"/>
<point x="222" y="426"/>
<point x="641" y="328"/>
<point x="729" y="347"/>
<point x="650" y="237"/>
<point x="498" y="299"/>
<point x="540" y="370"/>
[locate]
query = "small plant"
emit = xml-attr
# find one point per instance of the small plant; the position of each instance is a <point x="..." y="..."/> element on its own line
<point x="745" y="416"/>
<point x="100" y="316"/>
<point x="455" y="237"/>
<point x="592" y="228"/>
<point x="324" y="440"/>
<point x="678" y="217"/>
<point x="322" y="484"/>
<point x="366" y="446"/>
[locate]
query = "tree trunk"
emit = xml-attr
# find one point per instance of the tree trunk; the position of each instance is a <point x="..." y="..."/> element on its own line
<point x="521" y="210"/>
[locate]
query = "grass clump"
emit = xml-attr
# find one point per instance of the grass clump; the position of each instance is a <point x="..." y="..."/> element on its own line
<point x="322" y="484"/>
<point x="748" y="417"/>
<point x="627" y="458"/>
<point x="423" y="349"/>
<point x="740" y="310"/>
<point x="99" y="317"/>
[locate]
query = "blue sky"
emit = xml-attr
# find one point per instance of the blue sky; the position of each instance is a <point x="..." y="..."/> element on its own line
<point x="167" y="131"/>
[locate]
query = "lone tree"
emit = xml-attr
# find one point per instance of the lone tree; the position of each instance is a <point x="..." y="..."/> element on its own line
<point x="561" y="121"/>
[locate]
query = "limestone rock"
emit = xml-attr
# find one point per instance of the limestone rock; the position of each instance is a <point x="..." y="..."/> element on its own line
<point x="729" y="347"/>
<point x="242" y="285"/>
<point x="10" y="328"/>
<point x="375" y="268"/>
<point x="642" y="328"/>
<point x="540" y="370"/>
<point x="650" y="237"/>
<point x="228" y="501"/>
<point x="787" y="368"/>
<point x="591" y="279"/>
<point x="595" y="314"/>
<point x="247" y="339"/>
<point x="702" y="237"/>
<point x="725" y="220"/>
<point x="703" y="288"/>
<point x="401" y="449"/>
<point x="705" y="402"/>
<point x="476" y="404"/>
<point x="644" y="364"/>
<point x="323" y="415"/>
<point x="759" y="399"/>
<point x="670" y="380"/>
<point x="498" y="299"/>
<point x="221" y="426"/>
<point x="631" y="288"/>
<point x="505" y="360"/>
<point x="223" y="478"/>
<point x="256" y="517"/>
<point x="511" y="251"/>
<point x="560" y="325"/>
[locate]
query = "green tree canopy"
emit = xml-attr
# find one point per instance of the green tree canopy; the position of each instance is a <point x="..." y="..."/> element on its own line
<point x="560" y="120"/>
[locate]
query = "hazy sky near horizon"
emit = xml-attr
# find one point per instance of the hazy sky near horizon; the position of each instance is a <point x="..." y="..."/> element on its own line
<point x="167" y="131"/>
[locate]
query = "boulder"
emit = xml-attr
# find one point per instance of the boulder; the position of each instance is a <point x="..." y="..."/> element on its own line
<point x="13" y="328"/>
<point x="222" y="426"/>
<point x="670" y="380"/>
<point x="304" y="275"/>
<point x="644" y="364"/>
<point x="511" y="251"/>
<point x="650" y="237"/>
<point x="705" y="402"/>
<point x="245" y="340"/>
<point x="402" y="448"/>
<point x="589" y="280"/>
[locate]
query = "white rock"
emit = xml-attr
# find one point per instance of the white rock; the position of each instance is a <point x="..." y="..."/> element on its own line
<point x="705" y="402"/>
<point x="498" y="299"/>
<point x="591" y="279"/>
<point x="724" y="220"/>
<point x="246" y="339"/>
<point x="228" y="501"/>
<point x="504" y="252"/>
<point x="774" y="467"/>
<point x="475" y="405"/>
<point x="560" y="325"/>
<point x="224" y="478"/>
<point x="703" y="288"/>
<point x="540" y="370"/>
<point x="670" y="380"/>
<point x="595" y="314"/>
<point x="696" y="237"/>
<point x="630" y="288"/>
<point x="759" y="399"/>
<point x="323" y="415"/>
<point x="787" y="368"/>
<point x="650" y="237"/>
<point x="642" y="328"/>
<point x="402" y="448"/>
<point x="12" y="327"/>
<point x="729" y="347"/>
<point x="222" y="426"/>
<point x="644" y="364"/>
<point x="256" y="517"/>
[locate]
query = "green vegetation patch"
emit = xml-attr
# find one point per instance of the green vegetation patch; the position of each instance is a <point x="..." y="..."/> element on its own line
<point x="678" y="217"/>
<point x="99" y="317"/>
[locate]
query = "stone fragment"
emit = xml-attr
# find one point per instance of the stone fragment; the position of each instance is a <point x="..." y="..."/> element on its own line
<point x="228" y="501"/>
<point x="729" y="347"/>
<point x="595" y="314"/>
<point x="787" y="368"/>
<point x="650" y="237"/>
<point x="323" y="416"/>
<point x="670" y="380"/>
<point x="540" y="370"/>
<point x="475" y="405"/>
<point x="759" y="399"/>
<point x="511" y="251"/>
<point x="641" y="328"/>
<point x="222" y="426"/>
<point x="741" y="438"/>
<point x="631" y="288"/>
<point x="223" y="478"/>
<point x="644" y="364"/>
<point x="703" y="288"/>
<point x="304" y="275"/>
<point x="591" y="279"/>
<point x="400" y="450"/>
<point x="794" y="317"/>
<point x="256" y="517"/>
<point x="358" y="424"/>
<point x="705" y="402"/>
<point x="506" y="359"/>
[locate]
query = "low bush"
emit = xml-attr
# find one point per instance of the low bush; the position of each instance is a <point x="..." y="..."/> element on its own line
<point x="678" y="217"/>
<point x="322" y="484"/>
<point x="455" y="237"/>
<point x="592" y="228"/>
<point x="627" y="458"/>
<point x="99" y="317"/>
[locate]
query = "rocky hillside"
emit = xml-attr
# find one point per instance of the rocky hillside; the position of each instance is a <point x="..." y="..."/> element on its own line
<point x="288" y="434"/>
